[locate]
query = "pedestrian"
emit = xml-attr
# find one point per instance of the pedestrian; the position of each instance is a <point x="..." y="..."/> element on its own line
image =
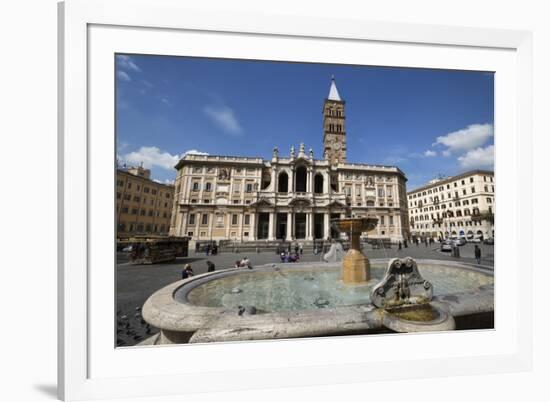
<point x="399" y="244"/>
<point x="211" y="266"/>
<point x="296" y="248"/>
<point x="187" y="271"/>
<point x="245" y="263"/>
<point x="207" y="249"/>
<point x="301" y="248"/>
<point x="215" y="249"/>
<point x="405" y="243"/>
<point x="477" y="253"/>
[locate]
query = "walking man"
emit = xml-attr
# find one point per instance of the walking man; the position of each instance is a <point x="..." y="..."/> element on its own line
<point x="477" y="252"/>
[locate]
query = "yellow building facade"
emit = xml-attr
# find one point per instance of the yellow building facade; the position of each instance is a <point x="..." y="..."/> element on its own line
<point x="143" y="206"/>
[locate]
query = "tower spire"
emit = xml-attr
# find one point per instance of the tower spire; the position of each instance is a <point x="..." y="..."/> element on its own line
<point x="333" y="92"/>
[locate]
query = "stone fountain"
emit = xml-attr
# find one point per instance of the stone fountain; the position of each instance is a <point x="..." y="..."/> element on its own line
<point x="355" y="265"/>
<point x="355" y="296"/>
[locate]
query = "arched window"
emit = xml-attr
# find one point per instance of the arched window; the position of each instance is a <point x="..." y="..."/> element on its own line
<point x="301" y="179"/>
<point x="283" y="183"/>
<point x="319" y="183"/>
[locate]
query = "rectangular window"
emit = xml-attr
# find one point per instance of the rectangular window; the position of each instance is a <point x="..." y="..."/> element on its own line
<point x="237" y="188"/>
<point x="247" y="219"/>
<point x="191" y="219"/>
<point x="391" y="220"/>
<point x="208" y="186"/>
<point x="389" y="191"/>
<point x="153" y="191"/>
<point x="146" y="190"/>
<point x="471" y="179"/>
<point x="204" y="220"/>
<point x="380" y="192"/>
<point x="136" y="198"/>
<point x="248" y="187"/>
<point x="234" y="219"/>
<point x="382" y="220"/>
<point x="473" y="190"/>
<point x="190" y="234"/>
<point x="196" y="186"/>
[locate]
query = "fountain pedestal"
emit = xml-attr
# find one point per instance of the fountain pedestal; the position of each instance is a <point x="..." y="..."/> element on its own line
<point x="355" y="264"/>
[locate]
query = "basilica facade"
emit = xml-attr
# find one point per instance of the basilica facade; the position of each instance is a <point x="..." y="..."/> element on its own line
<point x="289" y="197"/>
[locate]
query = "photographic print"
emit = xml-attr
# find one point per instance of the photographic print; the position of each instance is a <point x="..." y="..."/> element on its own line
<point x="264" y="200"/>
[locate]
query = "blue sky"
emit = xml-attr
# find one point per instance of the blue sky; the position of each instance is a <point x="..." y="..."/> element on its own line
<point x="426" y="122"/>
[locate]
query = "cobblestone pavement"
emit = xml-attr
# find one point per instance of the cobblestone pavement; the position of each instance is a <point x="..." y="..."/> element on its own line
<point x="135" y="283"/>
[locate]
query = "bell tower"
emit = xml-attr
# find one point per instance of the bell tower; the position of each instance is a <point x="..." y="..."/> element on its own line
<point x="334" y="126"/>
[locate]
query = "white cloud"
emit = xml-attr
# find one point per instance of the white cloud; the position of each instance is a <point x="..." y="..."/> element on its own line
<point x="471" y="137"/>
<point x="224" y="117"/>
<point x="194" y="152"/>
<point x="123" y="75"/>
<point x="430" y="153"/>
<point x="150" y="157"/>
<point x="446" y="153"/>
<point x="126" y="63"/>
<point x="478" y="158"/>
<point x="166" y="181"/>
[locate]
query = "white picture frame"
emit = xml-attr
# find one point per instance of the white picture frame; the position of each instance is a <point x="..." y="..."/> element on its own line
<point x="88" y="369"/>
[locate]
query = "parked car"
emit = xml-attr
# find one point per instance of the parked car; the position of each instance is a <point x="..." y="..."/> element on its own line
<point x="476" y="240"/>
<point x="446" y="245"/>
<point x="459" y="241"/>
<point x="489" y="240"/>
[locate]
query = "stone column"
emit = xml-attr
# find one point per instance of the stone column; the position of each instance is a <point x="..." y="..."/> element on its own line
<point x="271" y="226"/>
<point x="183" y="224"/>
<point x="210" y="224"/>
<point x="241" y="222"/>
<point x="326" y="226"/>
<point x="289" y="222"/>
<point x="227" y="222"/>
<point x="311" y="225"/>
<point x="252" y="233"/>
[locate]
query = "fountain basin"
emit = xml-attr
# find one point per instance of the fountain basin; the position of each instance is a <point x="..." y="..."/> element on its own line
<point x="298" y="300"/>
